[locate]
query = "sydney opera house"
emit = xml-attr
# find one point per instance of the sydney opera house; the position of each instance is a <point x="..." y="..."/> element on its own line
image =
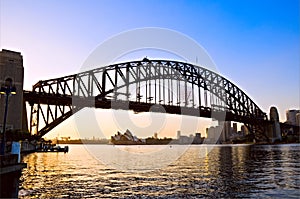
<point x="126" y="138"/>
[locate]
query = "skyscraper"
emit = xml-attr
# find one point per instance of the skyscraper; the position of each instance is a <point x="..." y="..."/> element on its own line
<point x="291" y="116"/>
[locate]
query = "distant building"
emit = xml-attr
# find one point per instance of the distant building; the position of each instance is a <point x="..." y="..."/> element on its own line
<point x="197" y="138"/>
<point x="298" y="119"/>
<point x="178" y="134"/>
<point x="191" y="139"/>
<point x="274" y="116"/>
<point x="291" y="116"/>
<point x="226" y="132"/>
<point x="234" y="127"/>
<point x="185" y="139"/>
<point x="198" y="135"/>
<point x="244" y="130"/>
<point x="155" y="136"/>
<point x="213" y="135"/>
<point x="274" y="131"/>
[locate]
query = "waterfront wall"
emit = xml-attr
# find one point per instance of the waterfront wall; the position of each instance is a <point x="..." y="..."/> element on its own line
<point x="10" y="172"/>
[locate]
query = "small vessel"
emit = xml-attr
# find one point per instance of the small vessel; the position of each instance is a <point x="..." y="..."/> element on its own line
<point x="61" y="149"/>
<point x="54" y="148"/>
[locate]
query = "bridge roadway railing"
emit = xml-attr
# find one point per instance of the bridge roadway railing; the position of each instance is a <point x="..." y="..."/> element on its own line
<point x="51" y="118"/>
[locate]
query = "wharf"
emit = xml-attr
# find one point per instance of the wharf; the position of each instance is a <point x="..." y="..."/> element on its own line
<point x="10" y="172"/>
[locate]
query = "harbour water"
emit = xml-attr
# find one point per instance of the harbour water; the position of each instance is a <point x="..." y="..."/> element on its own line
<point x="198" y="171"/>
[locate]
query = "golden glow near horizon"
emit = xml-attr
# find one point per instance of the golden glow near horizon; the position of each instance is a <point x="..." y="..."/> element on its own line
<point x="101" y="123"/>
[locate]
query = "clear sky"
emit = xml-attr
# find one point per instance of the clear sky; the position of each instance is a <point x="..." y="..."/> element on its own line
<point x="255" y="44"/>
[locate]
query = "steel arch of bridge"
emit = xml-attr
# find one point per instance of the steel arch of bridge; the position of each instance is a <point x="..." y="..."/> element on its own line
<point x="176" y="87"/>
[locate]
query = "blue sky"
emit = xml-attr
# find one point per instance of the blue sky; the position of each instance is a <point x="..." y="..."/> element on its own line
<point x="255" y="44"/>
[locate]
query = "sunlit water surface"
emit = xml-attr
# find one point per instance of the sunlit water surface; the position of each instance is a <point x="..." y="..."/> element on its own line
<point x="226" y="171"/>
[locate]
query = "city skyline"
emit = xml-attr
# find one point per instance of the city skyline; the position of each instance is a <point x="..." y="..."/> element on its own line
<point x="257" y="50"/>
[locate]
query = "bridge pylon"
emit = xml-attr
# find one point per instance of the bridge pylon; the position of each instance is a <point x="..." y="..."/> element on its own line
<point x="11" y="68"/>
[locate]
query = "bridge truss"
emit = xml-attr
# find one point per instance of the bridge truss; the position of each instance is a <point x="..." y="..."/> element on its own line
<point x="160" y="85"/>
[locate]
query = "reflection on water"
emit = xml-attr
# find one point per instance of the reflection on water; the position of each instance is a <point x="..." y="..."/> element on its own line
<point x="226" y="171"/>
<point x="138" y="158"/>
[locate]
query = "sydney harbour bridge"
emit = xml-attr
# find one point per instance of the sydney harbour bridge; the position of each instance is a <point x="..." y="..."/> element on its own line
<point x="148" y="85"/>
<point x="162" y="86"/>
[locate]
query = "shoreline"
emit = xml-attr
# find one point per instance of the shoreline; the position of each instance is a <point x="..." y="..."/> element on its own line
<point x="179" y="144"/>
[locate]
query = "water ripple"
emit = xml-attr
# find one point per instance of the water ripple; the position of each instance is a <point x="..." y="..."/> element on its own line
<point x="242" y="171"/>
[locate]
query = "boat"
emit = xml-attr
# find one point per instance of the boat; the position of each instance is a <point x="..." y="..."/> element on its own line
<point x="54" y="148"/>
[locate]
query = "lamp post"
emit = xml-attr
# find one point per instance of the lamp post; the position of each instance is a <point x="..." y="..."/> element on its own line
<point x="7" y="90"/>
